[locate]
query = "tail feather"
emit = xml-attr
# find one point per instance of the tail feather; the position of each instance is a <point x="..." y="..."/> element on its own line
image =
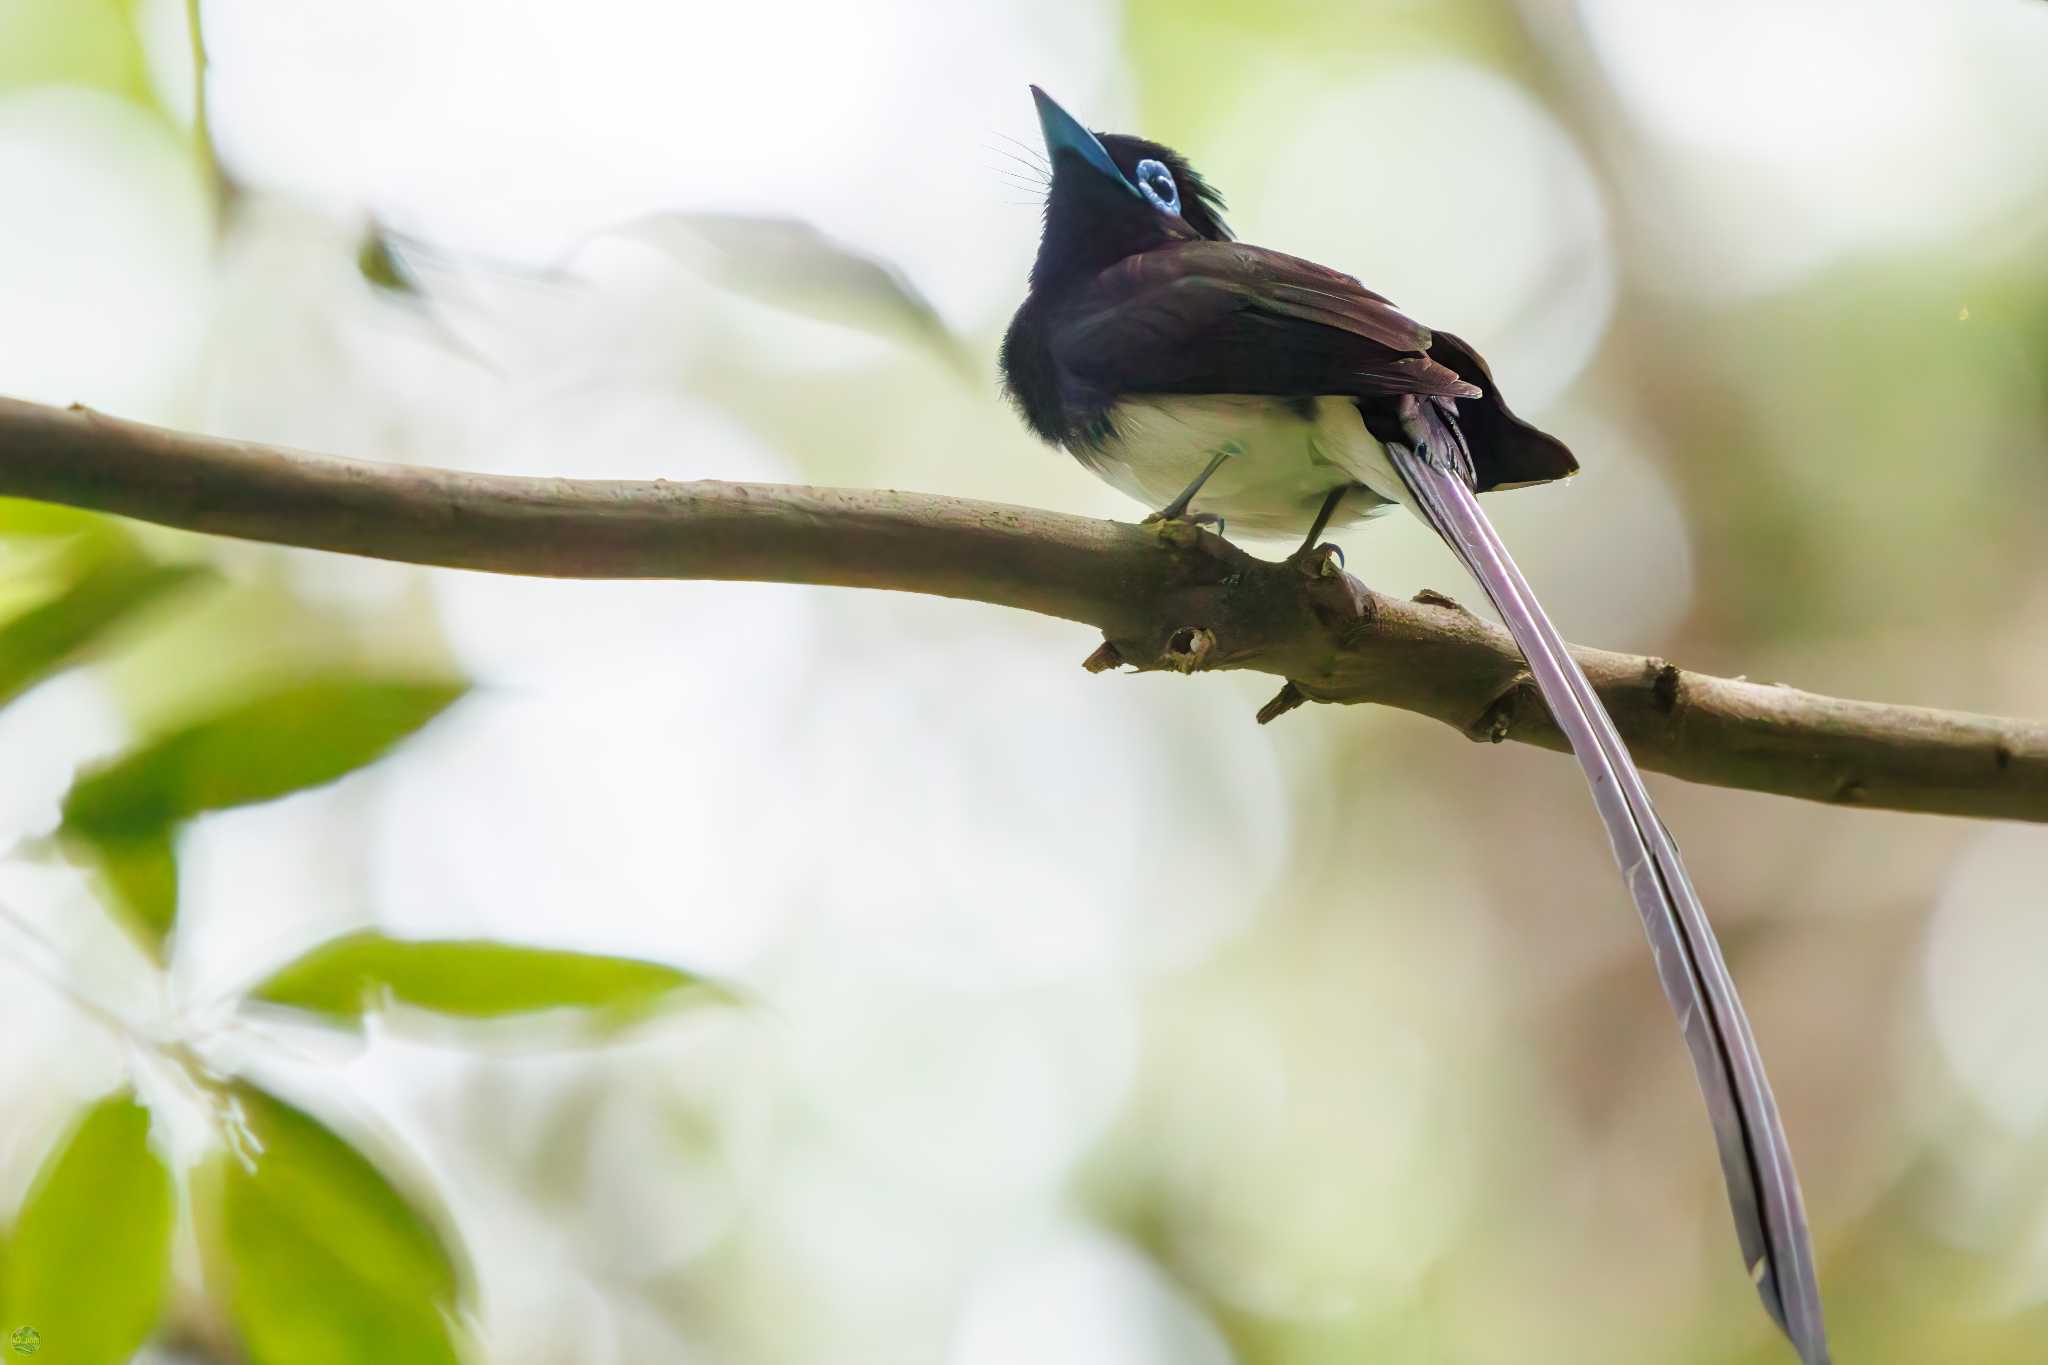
<point x="1756" y="1161"/>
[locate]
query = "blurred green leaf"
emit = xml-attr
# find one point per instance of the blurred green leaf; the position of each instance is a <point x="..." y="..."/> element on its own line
<point x="91" y="1256"/>
<point x="41" y="640"/>
<point x="141" y="876"/>
<point x="72" y="43"/>
<point x="437" y="285"/>
<point x="472" y="978"/>
<point x="123" y="816"/>
<point x="320" y="1259"/>
<point x="301" y="736"/>
<point x="789" y="264"/>
<point x="378" y="262"/>
<point x="28" y="518"/>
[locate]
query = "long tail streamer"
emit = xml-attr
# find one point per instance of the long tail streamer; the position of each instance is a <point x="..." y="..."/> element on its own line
<point x="1770" y="1218"/>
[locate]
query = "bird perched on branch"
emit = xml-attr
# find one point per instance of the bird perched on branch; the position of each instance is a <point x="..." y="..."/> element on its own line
<point x="1220" y="382"/>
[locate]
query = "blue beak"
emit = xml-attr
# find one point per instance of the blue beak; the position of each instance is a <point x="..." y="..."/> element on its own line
<point x="1064" y="134"/>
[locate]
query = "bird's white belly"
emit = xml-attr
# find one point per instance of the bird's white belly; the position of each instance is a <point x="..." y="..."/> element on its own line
<point x="1284" y="458"/>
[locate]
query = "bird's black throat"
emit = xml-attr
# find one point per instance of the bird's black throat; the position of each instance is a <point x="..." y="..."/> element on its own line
<point x="1090" y="225"/>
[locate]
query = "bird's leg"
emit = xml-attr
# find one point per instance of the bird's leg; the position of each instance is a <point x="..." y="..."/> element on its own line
<point x="1309" y="552"/>
<point x="1177" y="510"/>
<point x="1322" y="521"/>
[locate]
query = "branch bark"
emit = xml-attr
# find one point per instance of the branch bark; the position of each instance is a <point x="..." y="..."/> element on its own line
<point x="1163" y="597"/>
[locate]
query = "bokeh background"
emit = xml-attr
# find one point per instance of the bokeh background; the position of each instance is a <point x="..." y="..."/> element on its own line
<point x="1089" y="1021"/>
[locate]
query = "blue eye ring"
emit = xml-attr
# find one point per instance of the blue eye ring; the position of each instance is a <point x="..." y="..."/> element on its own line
<point x="1155" y="182"/>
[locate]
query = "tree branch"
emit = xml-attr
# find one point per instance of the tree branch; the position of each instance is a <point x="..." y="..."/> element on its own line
<point x="1163" y="597"/>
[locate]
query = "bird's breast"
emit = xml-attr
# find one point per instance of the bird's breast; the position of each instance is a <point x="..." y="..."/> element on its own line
<point x="1285" y="455"/>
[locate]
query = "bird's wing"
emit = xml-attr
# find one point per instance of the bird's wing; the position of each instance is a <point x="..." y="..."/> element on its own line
<point x="1756" y="1160"/>
<point x="1222" y="317"/>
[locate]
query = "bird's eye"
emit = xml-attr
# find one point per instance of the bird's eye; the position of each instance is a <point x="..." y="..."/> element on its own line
<point x="1155" y="182"/>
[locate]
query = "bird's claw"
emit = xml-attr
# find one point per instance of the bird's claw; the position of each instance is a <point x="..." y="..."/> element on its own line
<point x="1318" y="561"/>
<point x="1184" y="531"/>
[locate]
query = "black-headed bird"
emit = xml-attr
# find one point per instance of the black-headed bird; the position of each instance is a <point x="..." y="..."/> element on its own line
<point x="1216" y="381"/>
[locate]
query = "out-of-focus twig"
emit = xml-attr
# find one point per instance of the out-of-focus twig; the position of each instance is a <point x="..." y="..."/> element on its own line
<point x="1154" y="592"/>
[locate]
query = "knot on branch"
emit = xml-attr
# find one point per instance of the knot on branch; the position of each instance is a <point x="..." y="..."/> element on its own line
<point x="1430" y="597"/>
<point x="1182" y="533"/>
<point x="1200" y="556"/>
<point x="1106" y="657"/>
<point x="1498" y="720"/>
<point x="1340" y="603"/>
<point x="1288" y="698"/>
<point x="1187" y="647"/>
<point x="1664" y="684"/>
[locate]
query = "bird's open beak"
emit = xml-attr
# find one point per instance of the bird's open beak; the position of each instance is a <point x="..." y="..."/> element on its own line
<point x="1063" y="133"/>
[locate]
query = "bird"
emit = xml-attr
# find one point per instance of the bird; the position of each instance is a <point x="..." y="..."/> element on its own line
<point x="1232" y="385"/>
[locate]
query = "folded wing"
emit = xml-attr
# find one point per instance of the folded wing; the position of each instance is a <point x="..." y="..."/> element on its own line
<point x="1222" y="317"/>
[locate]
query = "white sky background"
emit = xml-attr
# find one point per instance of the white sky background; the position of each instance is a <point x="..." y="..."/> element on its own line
<point x="957" y="1013"/>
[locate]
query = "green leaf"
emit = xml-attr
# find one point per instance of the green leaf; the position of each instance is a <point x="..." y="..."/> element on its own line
<point x="28" y="519"/>
<point x="140" y="873"/>
<point x="61" y="41"/>
<point x="472" y="979"/>
<point x="90" y="1261"/>
<point x="789" y="264"/>
<point x="285" y="741"/>
<point x="379" y="263"/>
<point x="320" y="1259"/>
<point x="41" y="640"/>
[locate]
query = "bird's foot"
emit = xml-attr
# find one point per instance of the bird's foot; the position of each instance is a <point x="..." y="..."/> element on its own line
<point x="1318" y="561"/>
<point x="1184" y="528"/>
<point x="1191" y="518"/>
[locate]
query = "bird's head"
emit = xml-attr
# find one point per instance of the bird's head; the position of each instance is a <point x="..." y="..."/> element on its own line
<point x="1112" y="196"/>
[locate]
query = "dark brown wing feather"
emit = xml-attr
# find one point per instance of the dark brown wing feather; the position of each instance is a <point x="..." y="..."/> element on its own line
<point x="1221" y="317"/>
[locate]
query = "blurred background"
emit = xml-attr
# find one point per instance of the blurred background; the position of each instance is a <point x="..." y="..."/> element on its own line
<point x="1088" y="1021"/>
